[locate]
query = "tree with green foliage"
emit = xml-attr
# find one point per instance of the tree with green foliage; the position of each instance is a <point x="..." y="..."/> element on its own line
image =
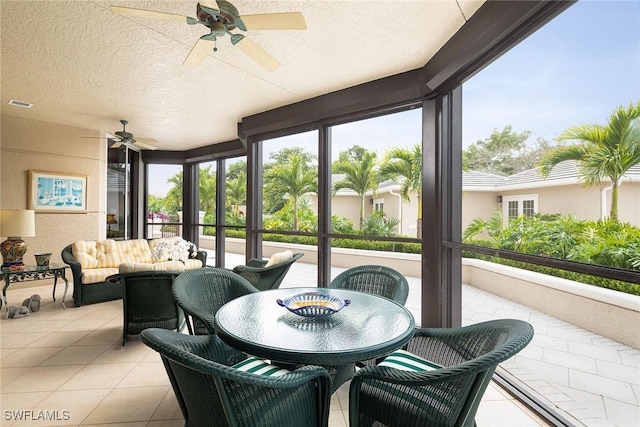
<point x="207" y="189"/>
<point x="405" y="165"/>
<point x="359" y="169"/>
<point x="235" y="169"/>
<point x="498" y="154"/>
<point x="273" y="199"/>
<point x="155" y="204"/>
<point x="604" y="151"/>
<point x="289" y="181"/>
<point x="173" y="199"/>
<point x="206" y="195"/>
<point x="237" y="192"/>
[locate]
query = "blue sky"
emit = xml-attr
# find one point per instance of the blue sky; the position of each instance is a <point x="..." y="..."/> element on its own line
<point x="576" y="69"/>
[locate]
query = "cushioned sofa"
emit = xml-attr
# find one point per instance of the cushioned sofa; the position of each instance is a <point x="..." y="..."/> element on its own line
<point x="92" y="261"/>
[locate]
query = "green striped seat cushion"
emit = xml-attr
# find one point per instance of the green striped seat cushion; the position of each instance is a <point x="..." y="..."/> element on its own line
<point x="258" y="366"/>
<point x="402" y="359"/>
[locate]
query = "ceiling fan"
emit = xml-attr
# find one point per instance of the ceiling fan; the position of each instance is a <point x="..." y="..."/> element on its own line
<point x="125" y="138"/>
<point x="221" y="22"/>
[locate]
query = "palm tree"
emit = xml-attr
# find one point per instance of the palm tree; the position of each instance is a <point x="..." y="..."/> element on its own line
<point x="605" y="151"/>
<point x="292" y="180"/>
<point x="237" y="192"/>
<point x="400" y="162"/>
<point x="207" y="189"/>
<point x="359" y="176"/>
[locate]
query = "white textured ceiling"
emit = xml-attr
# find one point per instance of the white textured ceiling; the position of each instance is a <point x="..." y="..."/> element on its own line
<point x="82" y="65"/>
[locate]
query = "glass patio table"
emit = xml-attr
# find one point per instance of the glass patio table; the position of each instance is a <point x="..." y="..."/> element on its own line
<point x="368" y="328"/>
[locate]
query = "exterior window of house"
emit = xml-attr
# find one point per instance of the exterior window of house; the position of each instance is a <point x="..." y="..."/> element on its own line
<point x="514" y="206"/>
<point x="378" y="205"/>
<point x="509" y="125"/>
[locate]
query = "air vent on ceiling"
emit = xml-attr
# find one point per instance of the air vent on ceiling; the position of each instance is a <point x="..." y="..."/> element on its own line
<point x="20" y="103"/>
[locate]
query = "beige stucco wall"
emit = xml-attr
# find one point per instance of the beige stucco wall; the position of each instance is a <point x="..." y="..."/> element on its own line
<point x="477" y="205"/>
<point x="581" y="201"/>
<point x="34" y="145"/>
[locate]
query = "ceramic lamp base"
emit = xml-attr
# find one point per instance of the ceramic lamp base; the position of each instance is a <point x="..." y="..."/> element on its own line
<point x="13" y="250"/>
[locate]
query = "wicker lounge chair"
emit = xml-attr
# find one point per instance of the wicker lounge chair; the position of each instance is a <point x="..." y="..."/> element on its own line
<point x="200" y="293"/>
<point x="448" y="396"/>
<point x="147" y="302"/>
<point x="265" y="278"/>
<point x="374" y="279"/>
<point x="211" y="392"/>
<point x="377" y="280"/>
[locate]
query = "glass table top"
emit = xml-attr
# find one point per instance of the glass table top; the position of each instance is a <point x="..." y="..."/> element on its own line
<point x="369" y="327"/>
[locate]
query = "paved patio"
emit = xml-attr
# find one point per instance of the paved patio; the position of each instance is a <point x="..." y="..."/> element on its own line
<point x="588" y="379"/>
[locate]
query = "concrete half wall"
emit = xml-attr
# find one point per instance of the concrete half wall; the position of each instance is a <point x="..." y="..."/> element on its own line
<point x="613" y="314"/>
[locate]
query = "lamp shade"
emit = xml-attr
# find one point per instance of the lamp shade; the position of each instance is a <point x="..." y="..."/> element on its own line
<point x="17" y="223"/>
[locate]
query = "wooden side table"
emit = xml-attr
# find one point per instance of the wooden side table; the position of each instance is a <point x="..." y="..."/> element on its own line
<point x="33" y="272"/>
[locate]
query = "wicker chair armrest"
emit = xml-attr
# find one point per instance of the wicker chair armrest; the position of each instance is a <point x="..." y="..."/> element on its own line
<point x="255" y="262"/>
<point x="76" y="267"/>
<point x="202" y="256"/>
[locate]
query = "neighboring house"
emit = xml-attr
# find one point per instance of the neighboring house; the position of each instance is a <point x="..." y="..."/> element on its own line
<point x="525" y="193"/>
<point x="346" y="203"/>
<point x="561" y="192"/>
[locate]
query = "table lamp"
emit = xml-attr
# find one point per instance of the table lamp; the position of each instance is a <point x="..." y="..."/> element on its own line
<point x="15" y="224"/>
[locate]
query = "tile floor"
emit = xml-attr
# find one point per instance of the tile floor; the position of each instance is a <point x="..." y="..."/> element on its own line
<point x="67" y="367"/>
<point x="589" y="380"/>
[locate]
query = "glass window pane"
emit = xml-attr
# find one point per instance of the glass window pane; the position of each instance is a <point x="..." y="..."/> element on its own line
<point x="164" y="203"/>
<point x="523" y="118"/>
<point x="290" y="182"/>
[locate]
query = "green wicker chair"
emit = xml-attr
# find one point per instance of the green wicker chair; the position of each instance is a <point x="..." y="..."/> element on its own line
<point x="265" y="278"/>
<point x="449" y="396"/>
<point x="200" y="293"/>
<point x="210" y="392"/>
<point x="147" y="302"/>
<point x="374" y="279"/>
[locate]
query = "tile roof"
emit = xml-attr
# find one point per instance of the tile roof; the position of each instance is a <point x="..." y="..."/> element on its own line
<point x="565" y="173"/>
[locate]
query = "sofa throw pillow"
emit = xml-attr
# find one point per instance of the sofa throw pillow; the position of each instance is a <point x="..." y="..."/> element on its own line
<point x="279" y="257"/>
<point x="406" y="361"/>
<point x="85" y="252"/>
<point x="134" y="250"/>
<point x="107" y="254"/>
<point x="258" y="366"/>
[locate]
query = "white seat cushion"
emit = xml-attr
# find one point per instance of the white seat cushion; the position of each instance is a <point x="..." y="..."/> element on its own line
<point x="406" y="361"/>
<point x="258" y="366"/>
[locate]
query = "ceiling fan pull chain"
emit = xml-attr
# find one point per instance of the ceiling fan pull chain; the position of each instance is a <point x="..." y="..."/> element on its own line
<point x="215" y="45"/>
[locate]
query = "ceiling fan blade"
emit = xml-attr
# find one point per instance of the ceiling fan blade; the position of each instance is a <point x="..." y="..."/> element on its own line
<point x="142" y="13"/>
<point x="198" y="52"/>
<point x="145" y="139"/>
<point x="275" y="21"/>
<point x="258" y="54"/>
<point x="116" y="144"/>
<point x="144" y="146"/>
<point x="209" y="3"/>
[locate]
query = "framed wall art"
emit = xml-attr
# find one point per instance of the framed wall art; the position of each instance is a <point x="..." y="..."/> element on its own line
<point x="57" y="192"/>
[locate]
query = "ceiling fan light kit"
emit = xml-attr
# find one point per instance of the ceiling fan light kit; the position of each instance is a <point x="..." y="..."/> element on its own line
<point x="221" y="22"/>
